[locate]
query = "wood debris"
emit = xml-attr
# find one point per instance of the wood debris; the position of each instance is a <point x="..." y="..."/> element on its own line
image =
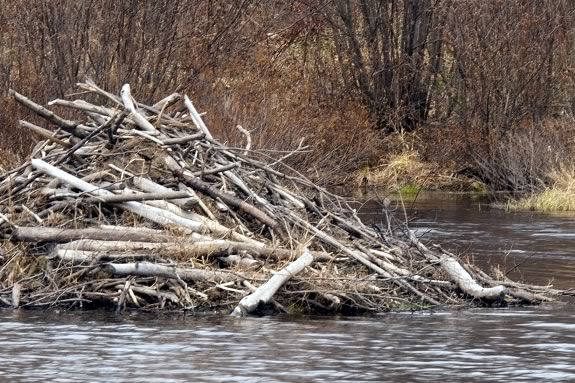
<point x="128" y="205"/>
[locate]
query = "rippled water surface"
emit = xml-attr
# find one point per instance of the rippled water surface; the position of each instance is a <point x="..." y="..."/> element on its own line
<point x="488" y="345"/>
<point x="472" y="346"/>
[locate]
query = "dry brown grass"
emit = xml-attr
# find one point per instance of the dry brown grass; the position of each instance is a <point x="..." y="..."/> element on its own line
<point x="406" y="172"/>
<point x="558" y="196"/>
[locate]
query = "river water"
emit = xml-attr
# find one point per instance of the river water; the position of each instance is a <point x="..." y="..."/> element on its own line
<point x="533" y="247"/>
<point x="480" y="345"/>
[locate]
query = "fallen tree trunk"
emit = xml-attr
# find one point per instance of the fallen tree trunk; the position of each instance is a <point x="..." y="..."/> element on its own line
<point x="52" y="234"/>
<point x="203" y="248"/>
<point x="147" y="269"/>
<point x="265" y="292"/>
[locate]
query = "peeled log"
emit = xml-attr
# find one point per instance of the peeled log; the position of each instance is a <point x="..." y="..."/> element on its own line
<point x="69" y="126"/>
<point x="467" y="283"/>
<point x="136" y="116"/>
<point x="149" y="212"/>
<point x="78" y="257"/>
<point x="265" y="292"/>
<point x="147" y="269"/>
<point x="213" y="226"/>
<point x="104" y="233"/>
<point x="214" y="247"/>
<point x="54" y="234"/>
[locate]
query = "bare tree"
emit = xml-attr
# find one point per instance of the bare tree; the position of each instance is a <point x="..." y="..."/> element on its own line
<point x="390" y="52"/>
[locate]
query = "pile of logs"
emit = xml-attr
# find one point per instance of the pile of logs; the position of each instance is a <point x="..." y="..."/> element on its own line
<point x="129" y="205"/>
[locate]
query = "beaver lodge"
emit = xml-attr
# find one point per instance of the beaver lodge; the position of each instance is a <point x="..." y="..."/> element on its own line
<point x="132" y="205"/>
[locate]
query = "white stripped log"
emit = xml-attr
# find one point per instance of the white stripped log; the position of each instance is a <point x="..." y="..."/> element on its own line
<point x="147" y="269"/>
<point x="56" y="234"/>
<point x="248" y="137"/>
<point x="78" y="257"/>
<point x="197" y="118"/>
<point x="152" y="213"/>
<point x="150" y="186"/>
<point x="458" y="274"/>
<point x="289" y="197"/>
<point x="466" y="283"/>
<point x="138" y="118"/>
<point x="139" y="197"/>
<point x="178" y="205"/>
<point x="265" y="292"/>
<point x="166" y="101"/>
<point x="214" y="247"/>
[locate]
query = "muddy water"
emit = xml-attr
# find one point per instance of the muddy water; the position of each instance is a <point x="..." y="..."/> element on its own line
<point x="490" y="345"/>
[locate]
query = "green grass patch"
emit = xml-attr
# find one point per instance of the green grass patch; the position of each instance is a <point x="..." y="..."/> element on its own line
<point x="410" y="190"/>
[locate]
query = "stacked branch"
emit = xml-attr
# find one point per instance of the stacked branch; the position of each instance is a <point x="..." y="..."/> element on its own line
<point x="125" y="204"/>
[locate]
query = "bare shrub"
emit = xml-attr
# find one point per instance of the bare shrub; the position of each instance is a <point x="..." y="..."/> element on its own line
<point x="509" y="62"/>
<point x="389" y="52"/>
<point x="523" y="161"/>
<point x="465" y="76"/>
